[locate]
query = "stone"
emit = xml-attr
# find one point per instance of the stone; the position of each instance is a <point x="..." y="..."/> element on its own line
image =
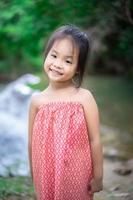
<point x="123" y="171"/>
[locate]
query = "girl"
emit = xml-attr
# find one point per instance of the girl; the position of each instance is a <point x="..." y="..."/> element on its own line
<point x="65" y="152"/>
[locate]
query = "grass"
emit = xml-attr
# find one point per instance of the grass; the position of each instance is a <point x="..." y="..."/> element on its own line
<point x="15" y="186"/>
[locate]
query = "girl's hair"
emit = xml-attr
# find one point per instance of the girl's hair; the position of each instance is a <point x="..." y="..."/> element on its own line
<point x="82" y="43"/>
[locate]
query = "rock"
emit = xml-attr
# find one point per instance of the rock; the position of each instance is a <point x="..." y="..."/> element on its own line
<point x="120" y="195"/>
<point x="123" y="171"/>
<point x="124" y="168"/>
<point x="115" y="188"/>
<point x="130" y="163"/>
<point x="112" y="154"/>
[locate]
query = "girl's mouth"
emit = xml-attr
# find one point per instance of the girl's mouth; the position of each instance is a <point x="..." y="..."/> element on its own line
<point x="56" y="72"/>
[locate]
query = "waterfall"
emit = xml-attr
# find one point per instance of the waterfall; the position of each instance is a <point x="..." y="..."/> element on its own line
<point x="14" y="104"/>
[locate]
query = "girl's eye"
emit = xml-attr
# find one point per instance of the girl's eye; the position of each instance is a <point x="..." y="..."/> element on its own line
<point x="68" y="61"/>
<point x="54" y="56"/>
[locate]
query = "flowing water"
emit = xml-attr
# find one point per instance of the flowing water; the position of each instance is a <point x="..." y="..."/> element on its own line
<point x="14" y="102"/>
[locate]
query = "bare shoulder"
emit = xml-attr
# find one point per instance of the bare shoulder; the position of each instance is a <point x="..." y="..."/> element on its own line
<point x="37" y="99"/>
<point x="34" y="101"/>
<point x="87" y="95"/>
<point x="88" y="100"/>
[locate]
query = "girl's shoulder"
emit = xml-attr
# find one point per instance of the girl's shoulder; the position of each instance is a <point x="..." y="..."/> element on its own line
<point x="37" y="99"/>
<point x="86" y="94"/>
<point x="87" y="98"/>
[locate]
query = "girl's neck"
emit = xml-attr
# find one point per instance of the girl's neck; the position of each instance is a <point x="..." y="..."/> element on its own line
<point x="60" y="87"/>
<point x="61" y="91"/>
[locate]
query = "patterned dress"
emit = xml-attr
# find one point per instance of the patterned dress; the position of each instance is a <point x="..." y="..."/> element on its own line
<point x="61" y="154"/>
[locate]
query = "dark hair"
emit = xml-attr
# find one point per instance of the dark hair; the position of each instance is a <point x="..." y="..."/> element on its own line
<point x="81" y="41"/>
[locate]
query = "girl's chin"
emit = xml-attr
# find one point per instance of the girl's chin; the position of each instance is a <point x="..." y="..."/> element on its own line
<point x="54" y="78"/>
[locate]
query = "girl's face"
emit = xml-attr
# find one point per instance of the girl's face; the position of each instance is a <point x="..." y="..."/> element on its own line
<point x="61" y="62"/>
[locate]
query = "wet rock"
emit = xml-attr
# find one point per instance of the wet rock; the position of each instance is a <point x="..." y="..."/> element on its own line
<point x="115" y="188"/>
<point x="123" y="171"/>
<point x="113" y="154"/>
<point x="125" y="168"/>
<point x="130" y="163"/>
<point x="121" y="195"/>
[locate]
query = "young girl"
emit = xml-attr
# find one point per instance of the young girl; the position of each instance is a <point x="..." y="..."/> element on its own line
<point x="65" y="152"/>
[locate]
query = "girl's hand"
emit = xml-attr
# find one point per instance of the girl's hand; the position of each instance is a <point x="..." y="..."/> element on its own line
<point x="95" y="185"/>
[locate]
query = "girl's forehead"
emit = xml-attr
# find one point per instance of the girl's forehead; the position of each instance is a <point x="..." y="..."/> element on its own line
<point x="66" y="46"/>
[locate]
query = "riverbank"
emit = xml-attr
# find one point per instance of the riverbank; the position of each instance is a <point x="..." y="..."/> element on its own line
<point x="116" y="186"/>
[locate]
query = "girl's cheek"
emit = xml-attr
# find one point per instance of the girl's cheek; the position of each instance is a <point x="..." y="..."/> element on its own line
<point x="45" y="63"/>
<point x="45" y="67"/>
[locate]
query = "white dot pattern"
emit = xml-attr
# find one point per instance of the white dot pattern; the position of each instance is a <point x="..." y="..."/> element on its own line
<point x="61" y="154"/>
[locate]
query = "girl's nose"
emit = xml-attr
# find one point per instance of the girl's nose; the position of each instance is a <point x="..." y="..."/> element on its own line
<point x="57" y="63"/>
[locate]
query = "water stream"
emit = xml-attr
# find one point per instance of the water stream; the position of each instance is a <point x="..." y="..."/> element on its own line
<point x="14" y="102"/>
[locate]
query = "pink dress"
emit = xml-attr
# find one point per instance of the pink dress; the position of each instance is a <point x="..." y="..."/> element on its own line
<point x="61" y="155"/>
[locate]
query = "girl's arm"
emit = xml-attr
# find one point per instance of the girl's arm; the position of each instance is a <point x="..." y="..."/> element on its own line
<point x="92" y="118"/>
<point x="32" y="114"/>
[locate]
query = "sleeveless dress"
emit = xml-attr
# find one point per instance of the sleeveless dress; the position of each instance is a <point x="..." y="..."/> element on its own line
<point x="61" y="154"/>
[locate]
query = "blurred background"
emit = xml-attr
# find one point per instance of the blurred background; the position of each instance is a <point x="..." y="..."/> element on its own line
<point x="25" y="26"/>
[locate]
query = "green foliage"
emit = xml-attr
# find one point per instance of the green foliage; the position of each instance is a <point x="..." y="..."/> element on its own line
<point x="125" y="44"/>
<point x="26" y="25"/>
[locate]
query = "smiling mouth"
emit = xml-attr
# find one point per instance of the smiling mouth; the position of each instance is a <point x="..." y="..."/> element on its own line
<point x="56" y="71"/>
